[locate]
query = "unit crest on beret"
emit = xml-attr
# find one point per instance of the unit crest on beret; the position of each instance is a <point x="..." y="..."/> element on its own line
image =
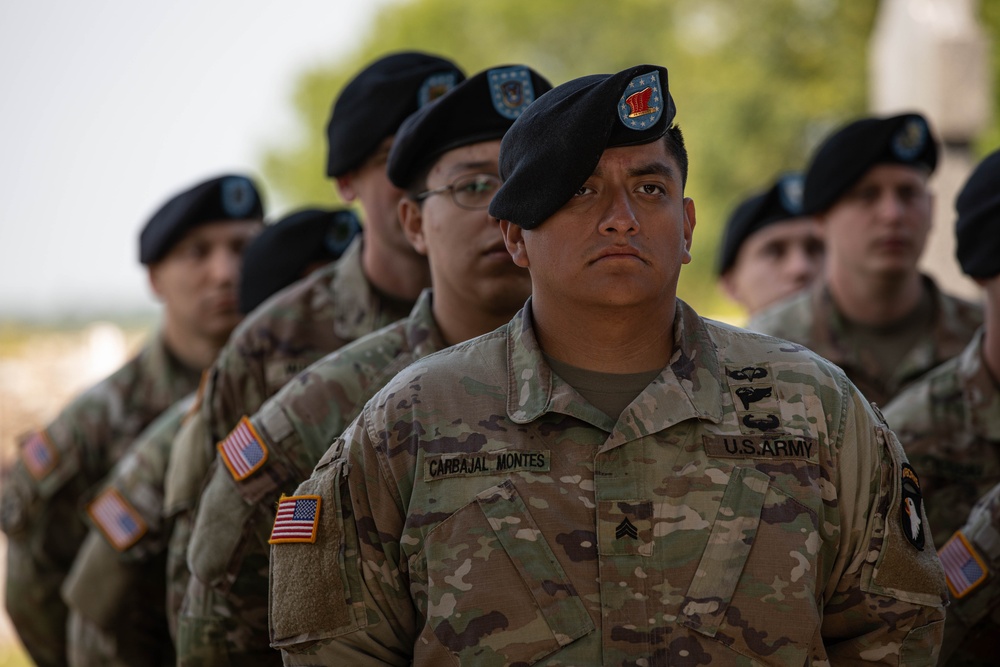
<point x="641" y="104"/>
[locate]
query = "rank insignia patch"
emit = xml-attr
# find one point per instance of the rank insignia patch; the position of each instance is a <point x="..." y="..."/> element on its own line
<point x="911" y="511"/>
<point x="964" y="569"/>
<point x="39" y="455"/>
<point x="296" y="520"/>
<point x="641" y="105"/>
<point x="117" y="519"/>
<point x="243" y="451"/>
<point x="434" y="87"/>
<point x="511" y="90"/>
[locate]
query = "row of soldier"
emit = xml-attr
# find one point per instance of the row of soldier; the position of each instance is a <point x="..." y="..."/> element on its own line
<point x="655" y="486"/>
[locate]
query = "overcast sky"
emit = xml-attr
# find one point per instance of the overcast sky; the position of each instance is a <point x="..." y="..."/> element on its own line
<point x="109" y="106"/>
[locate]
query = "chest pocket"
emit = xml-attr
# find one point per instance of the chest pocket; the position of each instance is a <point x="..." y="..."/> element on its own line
<point x="495" y="592"/>
<point x="754" y="588"/>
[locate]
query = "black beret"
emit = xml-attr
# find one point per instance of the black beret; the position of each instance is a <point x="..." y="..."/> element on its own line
<point x="280" y="254"/>
<point x="782" y="201"/>
<point x="480" y="108"/>
<point x="372" y="106"/>
<point x="847" y="155"/>
<point x="977" y="229"/>
<point x="555" y="145"/>
<point x="229" y="197"/>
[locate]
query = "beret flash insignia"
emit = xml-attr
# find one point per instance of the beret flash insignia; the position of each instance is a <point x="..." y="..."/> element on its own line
<point x="909" y="140"/>
<point x="238" y="197"/>
<point x="511" y="90"/>
<point x="790" y="190"/>
<point x="435" y="86"/>
<point x="641" y="105"/>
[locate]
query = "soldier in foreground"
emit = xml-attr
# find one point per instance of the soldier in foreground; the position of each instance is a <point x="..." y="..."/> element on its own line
<point x="192" y="247"/>
<point x="873" y="313"/>
<point x="949" y="423"/>
<point x="445" y="158"/>
<point x="608" y="479"/>
<point x="769" y="249"/>
<point x="375" y="283"/>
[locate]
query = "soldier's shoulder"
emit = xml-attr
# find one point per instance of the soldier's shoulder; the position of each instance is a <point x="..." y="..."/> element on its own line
<point x="912" y="412"/>
<point x="736" y="345"/>
<point x="790" y="318"/>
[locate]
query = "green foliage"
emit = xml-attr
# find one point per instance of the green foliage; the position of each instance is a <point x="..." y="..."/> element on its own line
<point x="757" y="85"/>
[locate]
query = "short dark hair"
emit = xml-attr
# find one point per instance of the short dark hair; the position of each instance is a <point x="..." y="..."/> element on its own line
<point x="674" y="142"/>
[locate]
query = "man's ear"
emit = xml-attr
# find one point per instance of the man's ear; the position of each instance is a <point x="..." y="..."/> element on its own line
<point x="345" y="186"/>
<point x="411" y="219"/>
<point x="513" y="237"/>
<point x="690" y="219"/>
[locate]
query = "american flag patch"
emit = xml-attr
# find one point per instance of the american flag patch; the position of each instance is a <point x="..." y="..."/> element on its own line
<point x="243" y="451"/>
<point x="297" y="519"/>
<point x="963" y="567"/>
<point x="39" y="455"/>
<point x="116" y="518"/>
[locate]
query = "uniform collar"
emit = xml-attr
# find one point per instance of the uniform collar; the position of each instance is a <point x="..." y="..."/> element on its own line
<point x="422" y="332"/>
<point x="688" y="387"/>
<point x="358" y="305"/>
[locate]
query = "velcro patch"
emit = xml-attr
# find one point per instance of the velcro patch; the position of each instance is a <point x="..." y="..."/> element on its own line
<point x="781" y="446"/>
<point x="121" y="524"/>
<point x="440" y="466"/>
<point x="296" y="520"/>
<point x="963" y="567"/>
<point x="39" y="455"/>
<point x="243" y="451"/>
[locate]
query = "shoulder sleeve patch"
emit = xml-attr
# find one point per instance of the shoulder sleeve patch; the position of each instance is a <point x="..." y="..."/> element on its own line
<point x="964" y="568"/>
<point x="39" y="454"/>
<point x="243" y="451"/>
<point x="121" y="524"/>
<point x="296" y="520"/>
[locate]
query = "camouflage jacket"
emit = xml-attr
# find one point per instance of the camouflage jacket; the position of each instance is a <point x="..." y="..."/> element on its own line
<point x="57" y="470"/>
<point x="949" y="424"/>
<point x="745" y="508"/>
<point x="292" y="329"/>
<point x="229" y="548"/>
<point x="811" y="318"/>
<point x="971" y="559"/>
<point x="117" y="583"/>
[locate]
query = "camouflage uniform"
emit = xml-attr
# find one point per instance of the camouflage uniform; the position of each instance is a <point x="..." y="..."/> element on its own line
<point x="479" y="511"/>
<point x="229" y="549"/>
<point x="116" y="588"/>
<point x="810" y="318"/>
<point x="949" y="424"/>
<point x="291" y="330"/>
<point x="59" y="466"/>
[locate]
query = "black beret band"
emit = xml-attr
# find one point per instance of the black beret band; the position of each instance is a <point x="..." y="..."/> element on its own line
<point x="374" y="104"/>
<point x="847" y="155"/>
<point x="229" y="197"/>
<point x="279" y="255"/>
<point x="782" y="201"/>
<point x="977" y="229"/>
<point x="481" y="108"/>
<point x="555" y="145"/>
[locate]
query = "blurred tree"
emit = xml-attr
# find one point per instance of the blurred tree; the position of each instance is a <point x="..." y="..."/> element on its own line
<point x="757" y="85"/>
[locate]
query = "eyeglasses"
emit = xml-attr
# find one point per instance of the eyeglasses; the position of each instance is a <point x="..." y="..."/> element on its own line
<point x="471" y="192"/>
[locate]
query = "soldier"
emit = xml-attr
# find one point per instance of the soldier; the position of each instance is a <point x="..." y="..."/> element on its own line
<point x="375" y="283"/>
<point x="608" y="479"/>
<point x="769" y="249"/>
<point x="116" y="587"/>
<point x="301" y="242"/>
<point x="192" y="248"/>
<point x="949" y="423"/>
<point x="445" y="159"/>
<point x="873" y="313"/>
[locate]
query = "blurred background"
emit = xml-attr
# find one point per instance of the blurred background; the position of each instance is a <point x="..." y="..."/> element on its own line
<point x="108" y="107"/>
